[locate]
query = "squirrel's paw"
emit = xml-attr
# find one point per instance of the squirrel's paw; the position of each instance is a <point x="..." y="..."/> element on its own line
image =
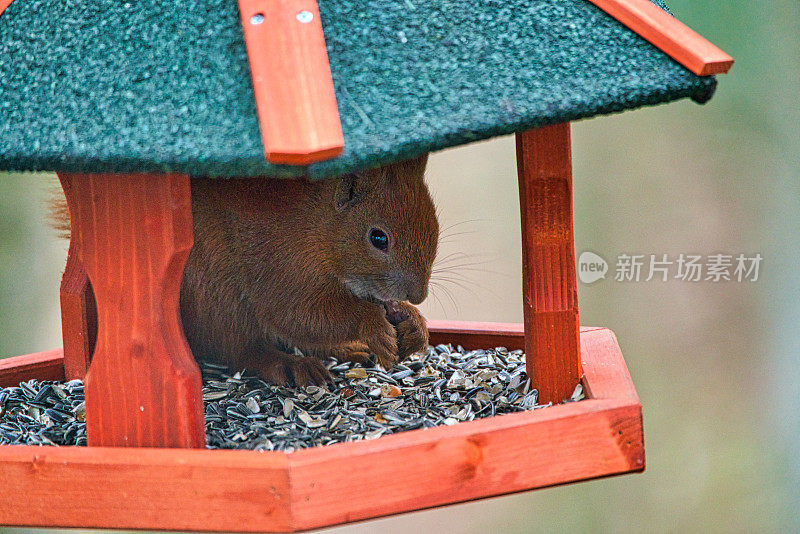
<point x="382" y="342"/>
<point x="412" y="332"/>
<point x="355" y="352"/>
<point x="293" y="369"/>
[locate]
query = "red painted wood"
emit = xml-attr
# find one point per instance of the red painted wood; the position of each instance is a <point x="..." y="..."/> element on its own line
<point x="292" y="80"/>
<point x="255" y="491"/>
<point x="549" y="288"/>
<point x="141" y="488"/>
<point x="50" y="365"/>
<point x="47" y="365"/>
<point x="78" y="314"/>
<point x="481" y="335"/>
<point x="607" y="377"/>
<point x="4" y="4"/>
<point x="668" y="34"/>
<point x="505" y="454"/>
<point x="473" y="335"/>
<point x="133" y="233"/>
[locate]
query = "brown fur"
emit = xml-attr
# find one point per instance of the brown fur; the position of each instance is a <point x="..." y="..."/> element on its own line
<point x="284" y="264"/>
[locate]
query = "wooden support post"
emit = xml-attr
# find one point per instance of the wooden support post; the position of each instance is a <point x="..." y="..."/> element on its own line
<point x="133" y="234"/>
<point x="78" y="316"/>
<point x="549" y="288"/>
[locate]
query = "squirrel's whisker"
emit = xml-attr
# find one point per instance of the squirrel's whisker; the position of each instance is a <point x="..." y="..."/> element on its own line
<point x="449" y="296"/>
<point x="435" y="296"/>
<point x="468" y="221"/>
<point x="456" y="234"/>
<point x="462" y="256"/>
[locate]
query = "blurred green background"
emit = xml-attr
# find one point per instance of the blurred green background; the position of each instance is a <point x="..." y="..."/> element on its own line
<point x="715" y="364"/>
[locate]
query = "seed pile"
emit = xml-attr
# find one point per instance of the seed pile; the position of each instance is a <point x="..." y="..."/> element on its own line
<point x="43" y="413"/>
<point x="441" y="386"/>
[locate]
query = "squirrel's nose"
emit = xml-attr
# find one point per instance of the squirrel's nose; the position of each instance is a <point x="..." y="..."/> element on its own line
<point x="416" y="291"/>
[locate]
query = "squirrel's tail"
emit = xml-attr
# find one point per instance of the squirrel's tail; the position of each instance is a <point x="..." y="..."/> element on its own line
<point x="58" y="214"/>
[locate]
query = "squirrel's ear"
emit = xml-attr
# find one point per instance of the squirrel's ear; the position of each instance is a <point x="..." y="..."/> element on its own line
<point x="350" y="189"/>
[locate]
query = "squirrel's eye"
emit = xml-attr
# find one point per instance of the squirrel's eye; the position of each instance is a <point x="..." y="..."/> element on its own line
<point x="379" y="239"/>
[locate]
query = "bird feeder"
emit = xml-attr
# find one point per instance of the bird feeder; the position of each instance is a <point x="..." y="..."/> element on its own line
<point x="127" y="100"/>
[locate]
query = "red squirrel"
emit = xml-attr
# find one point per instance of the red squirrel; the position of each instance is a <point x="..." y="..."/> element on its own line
<point x="331" y="268"/>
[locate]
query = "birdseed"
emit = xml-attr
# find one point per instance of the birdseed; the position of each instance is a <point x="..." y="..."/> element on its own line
<point x="444" y="385"/>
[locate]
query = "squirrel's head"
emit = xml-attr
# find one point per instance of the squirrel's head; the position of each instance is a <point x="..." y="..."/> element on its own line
<point x="386" y="232"/>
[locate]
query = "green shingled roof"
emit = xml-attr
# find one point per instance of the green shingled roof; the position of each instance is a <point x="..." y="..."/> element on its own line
<point x="164" y="85"/>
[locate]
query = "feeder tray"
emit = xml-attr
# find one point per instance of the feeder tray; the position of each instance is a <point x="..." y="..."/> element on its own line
<point x="126" y="100"/>
<point x="179" y="489"/>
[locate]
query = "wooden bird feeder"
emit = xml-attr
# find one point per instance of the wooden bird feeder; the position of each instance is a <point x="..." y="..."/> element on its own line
<point x="137" y="97"/>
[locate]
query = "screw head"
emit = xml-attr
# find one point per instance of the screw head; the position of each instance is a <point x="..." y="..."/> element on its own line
<point x="305" y="17"/>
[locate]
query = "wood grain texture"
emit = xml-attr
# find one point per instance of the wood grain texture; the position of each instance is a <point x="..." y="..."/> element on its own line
<point x="247" y="491"/>
<point x="47" y="365"/>
<point x="504" y="454"/>
<point x="669" y="35"/>
<point x="472" y="335"/>
<point x="549" y="287"/>
<point x="133" y="234"/>
<point x="143" y="488"/>
<point x="607" y="377"/>
<point x="481" y="335"/>
<point x="292" y="82"/>
<point x="441" y="466"/>
<point x="78" y="315"/>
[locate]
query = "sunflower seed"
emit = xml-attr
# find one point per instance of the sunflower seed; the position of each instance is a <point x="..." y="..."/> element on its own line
<point x="440" y="386"/>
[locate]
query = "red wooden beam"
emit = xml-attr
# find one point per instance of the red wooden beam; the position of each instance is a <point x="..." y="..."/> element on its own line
<point x="78" y="314"/>
<point x="549" y="287"/>
<point x="482" y="335"/>
<point x="158" y="489"/>
<point x="4" y="4"/>
<point x="473" y="335"/>
<point x="602" y="379"/>
<point x="133" y="234"/>
<point x="469" y="334"/>
<point x="292" y="80"/>
<point x="47" y="365"/>
<point x="669" y="35"/>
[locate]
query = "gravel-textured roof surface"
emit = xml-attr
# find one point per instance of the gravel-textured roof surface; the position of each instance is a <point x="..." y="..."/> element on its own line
<point x="160" y="85"/>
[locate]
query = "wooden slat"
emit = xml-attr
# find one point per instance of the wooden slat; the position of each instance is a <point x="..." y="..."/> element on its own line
<point x="292" y="80"/>
<point x="78" y="315"/>
<point x="250" y="491"/>
<point x="4" y="4"/>
<point x="440" y="466"/>
<point x="472" y="335"/>
<point x="159" y="489"/>
<point x="47" y="365"/>
<point x="549" y="285"/>
<point x="133" y="233"/>
<point x="607" y="377"/>
<point x="669" y="35"/>
<point x="481" y="335"/>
